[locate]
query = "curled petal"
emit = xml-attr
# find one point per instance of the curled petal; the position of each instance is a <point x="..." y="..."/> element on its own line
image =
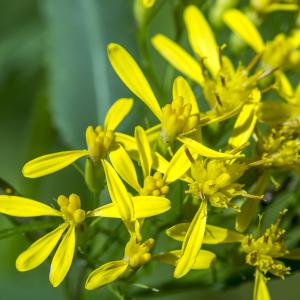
<point x="51" y="163"/>
<point x="192" y="241"/>
<point x="178" y="58"/>
<point x="132" y="76"/>
<point x="63" y="258"/>
<point x="241" y="25"/>
<point x="22" y="207"/>
<point x="38" y="252"/>
<point x="105" y="274"/>
<point x="117" y="112"/>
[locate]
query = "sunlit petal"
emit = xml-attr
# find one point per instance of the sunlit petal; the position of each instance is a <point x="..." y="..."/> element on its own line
<point x="132" y="76"/>
<point x="105" y="274"/>
<point x="192" y="242"/>
<point x="241" y="25"/>
<point x="178" y="166"/>
<point x="117" y="112"/>
<point x="118" y="192"/>
<point x="38" y="252"/>
<point x="124" y="166"/>
<point x="200" y="149"/>
<point x="202" y="38"/>
<point x="51" y="163"/>
<point x="144" y="207"/>
<point x="178" y="57"/>
<point x="63" y="258"/>
<point x="23" y="207"/>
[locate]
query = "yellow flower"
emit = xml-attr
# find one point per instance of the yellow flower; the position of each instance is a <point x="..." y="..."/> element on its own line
<point x="127" y="207"/>
<point x="264" y="252"/>
<point x="71" y="213"/>
<point x="177" y="118"/>
<point x="227" y="90"/>
<point x="136" y="255"/>
<point x="99" y="142"/>
<point x="167" y="172"/>
<point x="283" y="51"/>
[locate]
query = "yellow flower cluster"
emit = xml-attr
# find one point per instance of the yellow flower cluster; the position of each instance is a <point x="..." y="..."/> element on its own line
<point x="139" y="170"/>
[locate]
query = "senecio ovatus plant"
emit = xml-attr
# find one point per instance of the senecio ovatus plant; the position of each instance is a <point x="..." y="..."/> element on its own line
<point x="140" y="172"/>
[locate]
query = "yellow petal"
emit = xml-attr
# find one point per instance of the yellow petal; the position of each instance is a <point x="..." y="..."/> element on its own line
<point x="118" y="192"/>
<point x="38" y="252"/>
<point x="132" y="76"/>
<point x="284" y="86"/>
<point x="148" y="206"/>
<point x="202" y="38"/>
<point x="203" y="150"/>
<point x="178" y="58"/>
<point x="117" y="112"/>
<point x="241" y="25"/>
<point x="192" y="242"/>
<point x="22" y="207"/>
<point x="260" y="291"/>
<point x="144" y="207"/>
<point x="144" y="150"/>
<point x="213" y="234"/>
<point x="178" y="165"/>
<point x="63" y="258"/>
<point x="181" y="89"/>
<point x="160" y="163"/>
<point x="51" y="163"/>
<point x="124" y="166"/>
<point x="204" y="259"/>
<point x="105" y="274"/>
<point x="244" y="126"/>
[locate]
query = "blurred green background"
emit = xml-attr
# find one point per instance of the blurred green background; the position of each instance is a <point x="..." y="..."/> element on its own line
<point x="55" y="80"/>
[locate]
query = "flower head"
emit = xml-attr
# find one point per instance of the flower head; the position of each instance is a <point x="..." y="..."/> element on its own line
<point x="64" y="235"/>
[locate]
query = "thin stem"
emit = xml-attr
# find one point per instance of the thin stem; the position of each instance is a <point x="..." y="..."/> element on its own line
<point x="78" y="169"/>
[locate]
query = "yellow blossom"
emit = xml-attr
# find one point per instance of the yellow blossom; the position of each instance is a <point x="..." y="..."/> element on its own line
<point x="99" y="142"/>
<point x="71" y="213"/>
<point x="226" y="90"/>
<point x="136" y="255"/>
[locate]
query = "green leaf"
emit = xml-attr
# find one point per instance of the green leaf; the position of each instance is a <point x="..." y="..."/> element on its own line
<point x="81" y="80"/>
